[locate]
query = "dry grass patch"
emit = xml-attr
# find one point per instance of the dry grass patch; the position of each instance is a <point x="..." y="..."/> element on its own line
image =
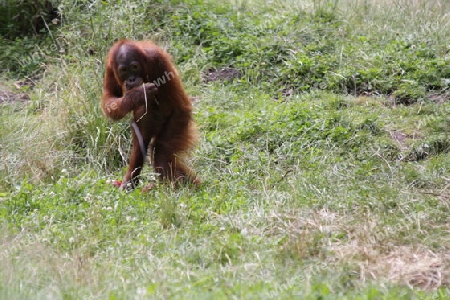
<point x="358" y="240"/>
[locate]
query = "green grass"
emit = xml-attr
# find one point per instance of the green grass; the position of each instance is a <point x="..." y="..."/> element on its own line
<point x="325" y="164"/>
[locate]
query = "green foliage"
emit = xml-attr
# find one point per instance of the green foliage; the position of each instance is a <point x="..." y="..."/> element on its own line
<point x="27" y="56"/>
<point x="24" y="17"/>
<point x="312" y="51"/>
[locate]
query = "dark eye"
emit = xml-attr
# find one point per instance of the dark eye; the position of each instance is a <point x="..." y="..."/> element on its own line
<point x="134" y="66"/>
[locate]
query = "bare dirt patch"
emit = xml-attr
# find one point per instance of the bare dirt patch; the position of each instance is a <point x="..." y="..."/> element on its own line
<point x="223" y="74"/>
<point x="402" y="138"/>
<point x="7" y="95"/>
<point x="440" y="98"/>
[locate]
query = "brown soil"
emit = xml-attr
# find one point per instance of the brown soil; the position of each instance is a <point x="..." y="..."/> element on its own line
<point x="7" y="95"/>
<point x="223" y="74"/>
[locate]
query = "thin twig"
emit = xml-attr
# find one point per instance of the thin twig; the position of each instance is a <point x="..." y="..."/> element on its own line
<point x="145" y="97"/>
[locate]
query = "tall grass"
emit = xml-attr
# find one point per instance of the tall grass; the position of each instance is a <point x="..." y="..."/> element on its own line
<point x="361" y="58"/>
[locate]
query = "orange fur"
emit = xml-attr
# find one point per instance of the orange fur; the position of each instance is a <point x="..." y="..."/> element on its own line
<point x="161" y="109"/>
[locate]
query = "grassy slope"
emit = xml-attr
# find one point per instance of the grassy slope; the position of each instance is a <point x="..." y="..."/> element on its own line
<point x="316" y="194"/>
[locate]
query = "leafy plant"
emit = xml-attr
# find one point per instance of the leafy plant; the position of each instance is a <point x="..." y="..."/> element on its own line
<point x="25" y="17"/>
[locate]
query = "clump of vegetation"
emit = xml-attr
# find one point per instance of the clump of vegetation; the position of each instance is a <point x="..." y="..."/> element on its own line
<point x="26" y="46"/>
<point x="305" y="50"/>
<point x="25" y="17"/>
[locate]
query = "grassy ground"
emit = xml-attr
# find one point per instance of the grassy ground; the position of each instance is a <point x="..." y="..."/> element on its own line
<point x="324" y="153"/>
